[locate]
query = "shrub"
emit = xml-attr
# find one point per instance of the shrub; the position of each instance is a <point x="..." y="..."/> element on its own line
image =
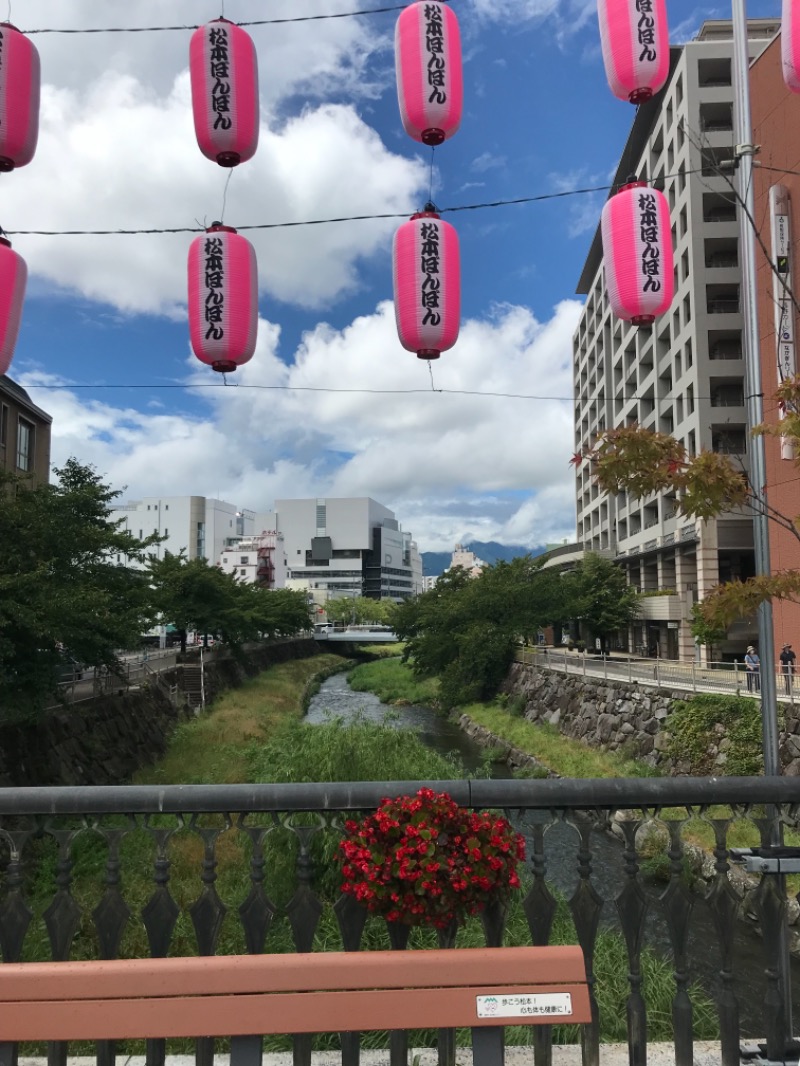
<point x="692" y="726"/>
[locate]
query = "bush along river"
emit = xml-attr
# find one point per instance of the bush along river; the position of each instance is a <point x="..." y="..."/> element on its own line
<point x="336" y="699"/>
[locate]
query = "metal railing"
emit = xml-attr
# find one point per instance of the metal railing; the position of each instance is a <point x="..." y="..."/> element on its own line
<point x="99" y="681"/>
<point x="641" y="669"/>
<point x="169" y="867"/>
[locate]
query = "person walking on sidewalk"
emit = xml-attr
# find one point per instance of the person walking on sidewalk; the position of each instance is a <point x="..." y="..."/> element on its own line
<point x="753" y="666"/>
<point x="787" y="658"/>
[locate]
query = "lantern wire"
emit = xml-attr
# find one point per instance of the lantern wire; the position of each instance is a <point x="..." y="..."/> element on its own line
<point x="540" y="198"/>
<point x="225" y="194"/>
<point x="430" y="371"/>
<point x="252" y="22"/>
<point x="430" y="177"/>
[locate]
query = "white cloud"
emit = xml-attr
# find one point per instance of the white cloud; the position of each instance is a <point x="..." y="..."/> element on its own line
<point x="449" y="464"/>
<point x="126" y="159"/>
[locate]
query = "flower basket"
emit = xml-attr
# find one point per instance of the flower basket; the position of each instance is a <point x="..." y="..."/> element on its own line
<point x="423" y="860"/>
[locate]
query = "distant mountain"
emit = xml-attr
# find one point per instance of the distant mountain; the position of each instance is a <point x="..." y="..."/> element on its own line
<point x="435" y="563"/>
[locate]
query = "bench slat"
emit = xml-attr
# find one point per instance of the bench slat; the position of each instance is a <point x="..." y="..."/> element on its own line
<point x="301" y="972"/>
<point x="282" y="1012"/>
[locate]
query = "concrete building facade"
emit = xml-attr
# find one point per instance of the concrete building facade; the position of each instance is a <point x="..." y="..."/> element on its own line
<point x="24" y="433"/>
<point x="346" y="546"/>
<point x="259" y="560"/>
<point x="685" y="375"/>
<point x="198" y="526"/>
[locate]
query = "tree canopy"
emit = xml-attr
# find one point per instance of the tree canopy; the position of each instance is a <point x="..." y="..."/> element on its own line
<point x="641" y="462"/>
<point x="464" y="630"/>
<point x="65" y="587"/>
<point x="602" y="598"/>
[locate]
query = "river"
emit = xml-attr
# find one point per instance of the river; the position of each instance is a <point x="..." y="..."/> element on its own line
<point x="335" y="697"/>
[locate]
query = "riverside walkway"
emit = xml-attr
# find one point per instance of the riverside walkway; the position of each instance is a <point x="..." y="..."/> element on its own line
<point x="727" y="678"/>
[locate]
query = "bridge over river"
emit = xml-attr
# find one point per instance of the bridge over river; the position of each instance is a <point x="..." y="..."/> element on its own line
<point x="358" y="634"/>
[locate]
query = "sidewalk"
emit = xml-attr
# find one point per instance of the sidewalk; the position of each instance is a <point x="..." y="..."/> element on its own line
<point x="706" y="1053"/>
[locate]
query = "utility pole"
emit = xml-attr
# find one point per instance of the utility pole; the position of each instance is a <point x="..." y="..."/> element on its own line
<point x="744" y="152"/>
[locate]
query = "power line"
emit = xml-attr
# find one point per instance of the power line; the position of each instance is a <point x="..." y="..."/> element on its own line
<point x="252" y="22"/>
<point x="539" y="198"/>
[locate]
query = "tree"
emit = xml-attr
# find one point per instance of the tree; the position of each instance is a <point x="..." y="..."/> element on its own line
<point x="464" y="630"/>
<point x="642" y="462"/>
<point x="191" y="594"/>
<point x="359" y="610"/>
<point x="605" y="602"/>
<point x="66" y="586"/>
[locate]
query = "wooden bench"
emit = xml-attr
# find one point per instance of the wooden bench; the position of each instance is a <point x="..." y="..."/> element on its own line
<point x="247" y="996"/>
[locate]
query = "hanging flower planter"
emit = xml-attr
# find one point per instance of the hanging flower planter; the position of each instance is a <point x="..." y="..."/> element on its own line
<point x="423" y="860"/>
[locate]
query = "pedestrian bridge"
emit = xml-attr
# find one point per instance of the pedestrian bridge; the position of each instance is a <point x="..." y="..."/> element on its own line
<point x="358" y="634"/>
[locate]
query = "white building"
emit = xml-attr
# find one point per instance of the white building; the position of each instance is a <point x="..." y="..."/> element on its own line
<point x="196" y="525"/>
<point x="257" y="560"/>
<point x="685" y="376"/>
<point x="348" y="546"/>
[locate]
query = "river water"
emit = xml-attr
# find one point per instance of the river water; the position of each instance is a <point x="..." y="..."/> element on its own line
<point x="336" y="698"/>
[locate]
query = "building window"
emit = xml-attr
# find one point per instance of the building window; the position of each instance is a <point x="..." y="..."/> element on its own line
<point x="25" y="434"/>
<point x="166" y="506"/>
<point x="3" y="425"/>
<point x="243" y="560"/>
<point x="243" y="572"/>
<point x="148" y="507"/>
<point x="166" y="532"/>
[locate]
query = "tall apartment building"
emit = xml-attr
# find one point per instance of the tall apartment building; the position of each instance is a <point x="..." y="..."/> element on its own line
<point x="685" y="375"/>
<point x="24" y="432"/>
<point x="347" y="546"/>
<point x="198" y="526"/>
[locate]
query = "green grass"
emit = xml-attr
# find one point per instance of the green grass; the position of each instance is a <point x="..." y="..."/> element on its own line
<point x="394" y="682"/>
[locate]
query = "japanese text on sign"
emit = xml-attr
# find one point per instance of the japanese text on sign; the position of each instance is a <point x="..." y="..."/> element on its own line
<point x="434" y="46"/>
<point x="429" y="254"/>
<point x="645" y="31"/>
<point x="525" y="1005"/>
<point x="215" y="279"/>
<point x="648" y="234"/>
<point x="219" y="69"/>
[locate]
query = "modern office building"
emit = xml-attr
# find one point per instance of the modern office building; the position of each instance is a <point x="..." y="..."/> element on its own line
<point x="24" y="432"/>
<point x="350" y="546"/>
<point x="197" y="526"/>
<point x="776" y="187"/>
<point x="684" y="375"/>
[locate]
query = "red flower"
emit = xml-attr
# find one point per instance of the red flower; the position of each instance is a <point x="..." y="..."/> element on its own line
<point x="424" y="860"/>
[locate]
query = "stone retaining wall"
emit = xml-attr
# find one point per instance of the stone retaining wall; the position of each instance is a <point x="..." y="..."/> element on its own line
<point x="105" y="741"/>
<point x="613" y="715"/>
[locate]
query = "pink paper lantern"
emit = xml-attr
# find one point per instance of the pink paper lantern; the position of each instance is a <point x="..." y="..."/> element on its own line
<point x="223" y="298"/>
<point x="635" y="41"/>
<point x="13" y="276"/>
<point x="427" y="284"/>
<point x="430" y="84"/>
<point x="224" y="73"/>
<point x="790" y="46"/>
<point x="637" y="253"/>
<point x="19" y="98"/>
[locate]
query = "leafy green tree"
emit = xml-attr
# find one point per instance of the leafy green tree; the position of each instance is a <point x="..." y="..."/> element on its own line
<point x="465" y="629"/>
<point x="191" y="594"/>
<point x="66" y="589"/>
<point x="359" y="610"/>
<point x="706" y="632"/>
<point x="603" y="599"/>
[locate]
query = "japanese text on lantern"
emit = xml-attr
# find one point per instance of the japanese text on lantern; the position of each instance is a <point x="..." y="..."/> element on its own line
<point x="2" y="42"/>
<point x="434" y="46"/>
<point x="429" y="263"/>
<point x="646" y="30"/>
<point x="215" y="279"/>
<point x="219" y="68"/>
<point x="648" y="234"/>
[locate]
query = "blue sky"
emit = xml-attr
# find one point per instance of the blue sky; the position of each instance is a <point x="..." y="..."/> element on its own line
<point x="117" y="151"/>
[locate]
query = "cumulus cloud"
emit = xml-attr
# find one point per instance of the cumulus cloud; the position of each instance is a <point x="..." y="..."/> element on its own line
<point x="125" y="158"/>
<point x="479" y="452"/>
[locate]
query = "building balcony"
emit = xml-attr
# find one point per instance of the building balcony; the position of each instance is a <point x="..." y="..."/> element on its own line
<point x="661" y="608"/>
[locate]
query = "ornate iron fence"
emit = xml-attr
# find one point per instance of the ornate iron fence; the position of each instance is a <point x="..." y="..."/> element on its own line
<point x="92" y="872"/>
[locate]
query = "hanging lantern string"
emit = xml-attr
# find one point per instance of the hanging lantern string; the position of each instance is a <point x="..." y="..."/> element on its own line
<point x="541" y="198"/>
<point x="430" y="180"/>
<point x="225" y="195"/>
<point x="252" y="22"/>
<point x="430" y="371"/>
